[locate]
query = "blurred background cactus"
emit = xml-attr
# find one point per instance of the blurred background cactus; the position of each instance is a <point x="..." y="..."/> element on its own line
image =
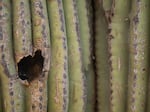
<point x="74" y="55"/>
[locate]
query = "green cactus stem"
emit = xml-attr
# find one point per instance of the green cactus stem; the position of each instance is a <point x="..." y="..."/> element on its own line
<point x="86" y="46"/>
<point x="12" y="97"/>
<point x="139" y="56"/>
<point x="58" y="84"/>
<point x="101" y="55"/>
<point x="41" y="48"/>
<point x="77" y="90"/>
<point x="107" y="4"/>
<point x="21" y="29"/>
<point x="118" y="50"/>
<point x="22" y="42"/>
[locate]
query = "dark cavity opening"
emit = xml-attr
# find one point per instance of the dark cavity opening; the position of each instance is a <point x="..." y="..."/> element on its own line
<point x="30" y="68"/>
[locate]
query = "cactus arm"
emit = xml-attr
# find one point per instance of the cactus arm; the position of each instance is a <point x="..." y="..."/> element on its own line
<point x="139" y="56"/>
<point x="58" y="78"/>
<point x="77" y="94"/>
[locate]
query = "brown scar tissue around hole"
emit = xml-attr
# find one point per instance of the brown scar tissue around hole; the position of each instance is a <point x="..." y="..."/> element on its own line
<point x="30" y="68"/>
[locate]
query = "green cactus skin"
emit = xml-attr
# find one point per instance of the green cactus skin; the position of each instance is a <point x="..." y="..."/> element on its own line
<point x="22" y="42"/>
<point x="41" y="31"/>
<point x="77" y="90"/>
<point x="107" y="4"/>
<point x="22" y="39"/>
<point x="101" y="55"/>
<point x="58" y="78"/>
<point x="139" y="56"/>
<point x="12" y="98"/>
<point x="21" y="29"/>
<point x="41" y="41"/>
<point x="118" y="49"/>
<point x="86" y="46"/>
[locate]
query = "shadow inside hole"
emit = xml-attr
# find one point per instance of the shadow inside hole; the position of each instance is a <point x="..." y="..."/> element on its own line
<point x="30" y="68"/>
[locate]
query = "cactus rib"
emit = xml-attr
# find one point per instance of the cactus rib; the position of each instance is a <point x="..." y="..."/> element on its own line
<point x="101" y="55"/>
<point x="77" y="94"/>
<point x="58" y="76"/>
<point x="139" y="51"/>
<point x="22" y="41"/>
<point x="21" y="29"/>
<point x="85" y="37"/>
<point x="41" y="43"/>
<point x="118" y="49"/>
<point x="10" y="86"/>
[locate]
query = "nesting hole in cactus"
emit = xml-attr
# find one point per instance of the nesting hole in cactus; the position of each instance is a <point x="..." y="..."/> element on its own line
<point x="30" y="67"/>
<point x="144" y="69"/>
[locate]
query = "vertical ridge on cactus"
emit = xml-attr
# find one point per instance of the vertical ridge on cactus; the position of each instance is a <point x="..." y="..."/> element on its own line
<point x="22" y="43"/>
<point x="41" y="48"/>
<point x="101" y="55"/>
<point x="77" y="93"/>
<point x="118" y="50"/>
<point x="58" y="85"/>
<point x="10" y="86"/>
<point x="86" y="41"/>
<point x="139" y="56"/>
<point x="21" y="29"/>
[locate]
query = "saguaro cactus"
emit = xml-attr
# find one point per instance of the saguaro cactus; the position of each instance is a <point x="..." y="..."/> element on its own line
<point x="118" y="49"/>
<point x="86" y="47"/>
<point x="11" y="88"/>
<point x="41" y="49"/>
<point x="74" y="56"/>
<point x="22" y="40"/>
<point x="58" y="87"/>
<point x="77" y="96"/>
<point x="102" y="57"/>
<point x="139" y="54"/>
